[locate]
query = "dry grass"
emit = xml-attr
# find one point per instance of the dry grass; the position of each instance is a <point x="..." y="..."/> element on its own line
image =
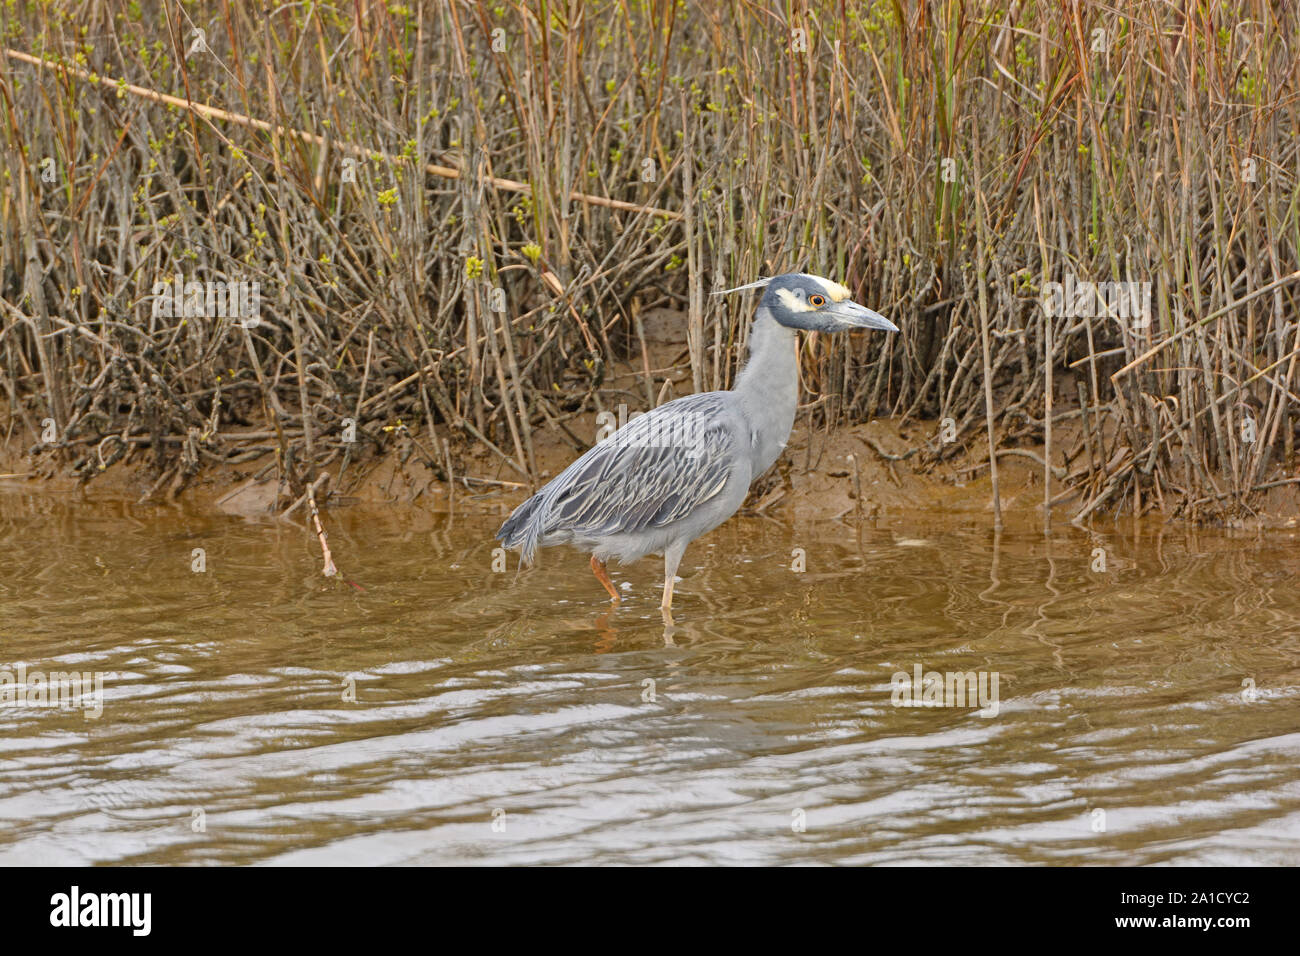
<point x="519" y="204"/>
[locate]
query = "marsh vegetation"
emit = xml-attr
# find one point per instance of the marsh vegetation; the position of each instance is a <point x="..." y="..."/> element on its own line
<point x="455" y="216"/>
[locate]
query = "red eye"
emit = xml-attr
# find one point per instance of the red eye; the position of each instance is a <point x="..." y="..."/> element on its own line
<point x="816" y="301"/>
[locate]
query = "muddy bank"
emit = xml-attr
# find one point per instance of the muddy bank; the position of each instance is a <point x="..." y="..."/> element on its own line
<point x="872" y="470"/>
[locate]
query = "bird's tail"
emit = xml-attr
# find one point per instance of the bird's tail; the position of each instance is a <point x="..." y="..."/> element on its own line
<point x="523" y="529"/>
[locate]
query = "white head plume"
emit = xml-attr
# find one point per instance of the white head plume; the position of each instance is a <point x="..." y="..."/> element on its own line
<point x="748" y="285"/>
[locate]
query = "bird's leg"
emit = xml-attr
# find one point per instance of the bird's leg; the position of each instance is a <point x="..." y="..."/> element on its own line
<point x="672" y="557"/>
<point x="598" y="569"/>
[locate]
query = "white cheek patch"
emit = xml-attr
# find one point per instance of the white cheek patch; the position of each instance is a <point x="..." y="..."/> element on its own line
<point x="837" y="292"/>
<point x="792" y="301"/>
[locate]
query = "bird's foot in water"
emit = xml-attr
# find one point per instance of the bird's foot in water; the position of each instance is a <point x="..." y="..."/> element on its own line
<point x="667" y="603"/>
<point x="598" y="569"/>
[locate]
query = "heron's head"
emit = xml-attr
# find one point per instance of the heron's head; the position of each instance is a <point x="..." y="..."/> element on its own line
<point x="801" y="301"/>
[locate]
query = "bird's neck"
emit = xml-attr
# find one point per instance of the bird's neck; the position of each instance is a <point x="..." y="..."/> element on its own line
<point x="771" y="365"/>
<point x="768" y="386"/>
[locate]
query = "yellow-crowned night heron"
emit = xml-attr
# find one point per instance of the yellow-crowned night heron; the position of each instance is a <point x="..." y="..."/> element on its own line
<point x="679" y="471"/>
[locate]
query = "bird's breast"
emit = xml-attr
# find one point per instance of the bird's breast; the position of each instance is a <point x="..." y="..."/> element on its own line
<point x="768" y="433"/>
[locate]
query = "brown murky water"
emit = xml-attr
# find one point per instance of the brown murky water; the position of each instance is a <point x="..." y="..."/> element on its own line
<point x="759" y="729"/>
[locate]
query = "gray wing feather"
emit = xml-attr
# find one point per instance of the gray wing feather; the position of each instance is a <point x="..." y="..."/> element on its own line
<point x="655" y="470"/>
